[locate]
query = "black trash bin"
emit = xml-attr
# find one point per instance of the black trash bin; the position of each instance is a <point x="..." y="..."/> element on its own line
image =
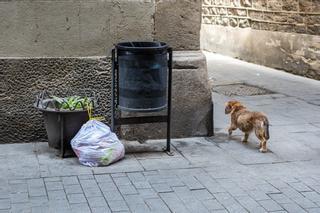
<point x="143" y="76"/>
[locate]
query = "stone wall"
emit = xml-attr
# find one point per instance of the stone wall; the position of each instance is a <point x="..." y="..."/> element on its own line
<point x="21" y="79"/>
<point x="72" y="28"/>
<point x="282" y="34"/>
<point x="49" y="44"/>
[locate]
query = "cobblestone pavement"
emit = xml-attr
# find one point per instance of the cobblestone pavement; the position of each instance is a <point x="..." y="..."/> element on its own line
<point x="217" y="174"/>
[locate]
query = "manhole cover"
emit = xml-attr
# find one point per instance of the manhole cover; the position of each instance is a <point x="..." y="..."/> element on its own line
<point x="240" y="90"/>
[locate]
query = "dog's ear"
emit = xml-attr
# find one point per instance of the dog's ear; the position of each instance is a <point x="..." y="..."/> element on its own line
<point x="228" y="108"/>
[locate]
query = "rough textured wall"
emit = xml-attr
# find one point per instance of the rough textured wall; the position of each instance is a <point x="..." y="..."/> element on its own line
<point x="178" y="23"/>
<point x="72" y="28"/>
<point x="283" y="34"/>
<point x="22" y="78"/>
<point x="299" y="16"/>
<point x="37" y="28"/>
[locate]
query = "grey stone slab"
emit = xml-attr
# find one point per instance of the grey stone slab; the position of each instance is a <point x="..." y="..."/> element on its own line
<point x="80" y="207"/>
<point x="112" y="195"/>
<point x="73" y="189"/>
<point x="97" y="202"/>
<point x="173" y="202"/>
<point x="19" y="197"/>
<point x="280" y="198"/>
<point x="127" y="189"/>
<point x="250" y="204"/>
<point x="202" y="194"/>
<point x="51" y="186"/>
<point x="103" y="178"/>
<point x="52" y="179"/>
<point x="118" y="206"/>
<point x="34" y="192"/>
<point x="76" y="198"/>
<point x="292" y="207"/>
<point x="5" y="204"/>
<point x="100" y="210"/>
<point x="72" y="180"/>
<point x="38" y="201"/>
<point x="300" y="187"/>
<point x="120" y="181"/>
<point x="212" y="204"/>
<point x="313" y="210"/>
<point x="148" y="193"/>
<point x="305" y="203"/>
<point x="313" y="196"/>
<point x="229" y="202"/>
<point x="157" y="205"/>
<point x="162" y="187"/>
<point x="141" y="184"/>
<point x="92" y="192"/>
<point x="57" y="195"/>
<point x="270" y="205"/>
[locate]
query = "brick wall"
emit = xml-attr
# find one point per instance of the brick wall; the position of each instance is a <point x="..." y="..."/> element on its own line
<point x="298" y="16"/>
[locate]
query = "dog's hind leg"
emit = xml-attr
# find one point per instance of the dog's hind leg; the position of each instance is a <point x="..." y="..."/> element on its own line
<point x="263" y="147"/>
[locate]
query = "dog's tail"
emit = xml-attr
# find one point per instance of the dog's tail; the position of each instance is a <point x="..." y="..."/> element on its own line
<point x="266" y="128"/>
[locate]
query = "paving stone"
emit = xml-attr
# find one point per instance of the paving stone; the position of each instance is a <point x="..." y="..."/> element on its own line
<point x="157" y="205"/>
<point x="192" y="182"/>
<point x="280" y="198"/>
<point x="72" y="180"/>
<point x="5" y="204"/>
<point x="52" y="179"/>
<point x="300" y="187"/>
<point x="270" y="205"/>
<point x="293" y="208"/>
<point x="291" y="193"/>
<point x="314" y="210"/>
<point x="136" y="176"/>
<point x="86" y="177"/>
<point x="100" y="210"/>
<point x="258" y="195"/>
<point x="73" y="189"/>
<point x="212" y="204"/>
<point x="120" y="174"/>
<point x="57" y="195"/>
<point x="173" y="202"/>
<point x="127" y="190"/>
<point x="141" y="185"/>
<point x="88" y="183"/>
<point x="51" y="186"/>
<point x="229" y="202"/>
<point x="35" y="192"/>
<point x="202" y="194"/>
<point x="161" y="187"/>
<point x="136" y="203"/>
<point x="92" y="192"/>
<point x="19" y="197"/>
<point x="305" y="203"/>
<point x="18" y="188"/>
<point x="97" y="202"/>
<point x="112" y="195"/>
<point x="250" y="204"/>
<point x="37" y="182"/>
<point x="267" y="188"/>
<point x="148" y="193"/>
<point x="103" y="178"/>
<point x="40" y="209"/>
<point x="313" y="196"/>
<point x="122" y="181"/>
<point x="107" y="186"/>
<point x="118" y="206"/>
<point x="76" y="198"/>
<point x="80" y="208"/>
<point x="38" y="201"/>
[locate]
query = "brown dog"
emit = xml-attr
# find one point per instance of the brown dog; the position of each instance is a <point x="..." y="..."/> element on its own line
<point x="248" y="121"/>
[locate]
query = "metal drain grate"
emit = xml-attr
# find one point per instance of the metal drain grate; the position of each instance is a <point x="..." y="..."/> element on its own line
<point x="240" y="90"/>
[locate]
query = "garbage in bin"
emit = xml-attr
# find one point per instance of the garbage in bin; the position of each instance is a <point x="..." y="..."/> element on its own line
<point x="95" y="145"/>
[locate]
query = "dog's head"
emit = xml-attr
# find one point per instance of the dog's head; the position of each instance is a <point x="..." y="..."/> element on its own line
<point x="233" y="106"/>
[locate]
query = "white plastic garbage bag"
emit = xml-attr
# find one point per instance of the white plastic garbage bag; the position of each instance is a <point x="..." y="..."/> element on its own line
<point x="96" y="145"/>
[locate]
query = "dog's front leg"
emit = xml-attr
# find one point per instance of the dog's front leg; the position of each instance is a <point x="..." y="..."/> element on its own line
<point x="245" y="138"/>
<point x="231" y="128"/>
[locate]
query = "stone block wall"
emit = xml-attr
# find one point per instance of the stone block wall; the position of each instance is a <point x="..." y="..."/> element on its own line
<point x="283" y="34"/>
<point x="293" y="16"/>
